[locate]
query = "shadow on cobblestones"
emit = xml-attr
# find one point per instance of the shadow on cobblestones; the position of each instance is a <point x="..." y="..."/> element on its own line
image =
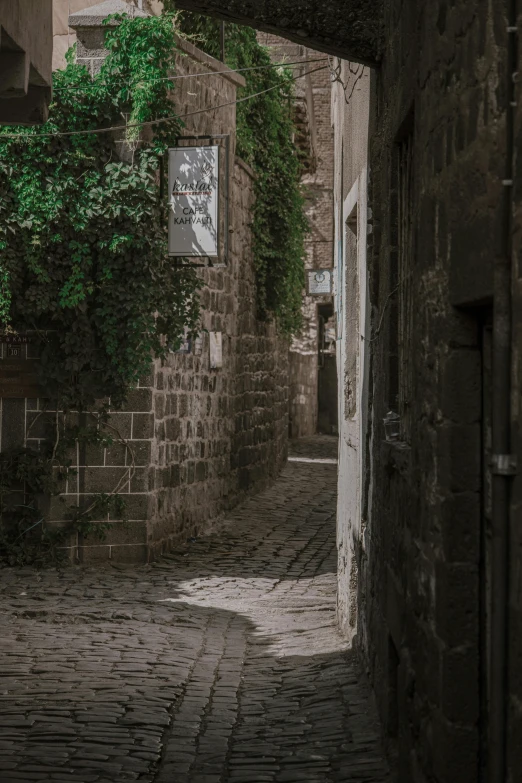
<point x="220" y="663"/>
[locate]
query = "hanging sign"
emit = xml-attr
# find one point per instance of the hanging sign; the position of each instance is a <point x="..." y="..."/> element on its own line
<point x="194" y="199"/>
<point x="319" y="281"/>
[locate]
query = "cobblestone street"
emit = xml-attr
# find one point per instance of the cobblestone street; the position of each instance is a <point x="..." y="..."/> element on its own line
<point x="218" y="663"/>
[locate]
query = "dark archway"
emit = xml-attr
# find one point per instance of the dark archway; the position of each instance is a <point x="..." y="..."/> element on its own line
<point x="351" y="29"/>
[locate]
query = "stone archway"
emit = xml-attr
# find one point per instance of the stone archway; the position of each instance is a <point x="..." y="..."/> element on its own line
<point x="351" y="29"/>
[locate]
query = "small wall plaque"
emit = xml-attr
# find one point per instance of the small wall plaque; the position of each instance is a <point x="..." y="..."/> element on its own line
<point x="216" y="350"/>
<point x="198" y="344"/>
<point x="319" y="282"/>
<point x="19" y="364"/>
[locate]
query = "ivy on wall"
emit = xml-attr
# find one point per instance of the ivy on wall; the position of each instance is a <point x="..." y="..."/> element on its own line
<point x="83" y="263"/>
<point x="265" y="140"/>
<point x="83" y="248"/>
<point x="82" y="233"/>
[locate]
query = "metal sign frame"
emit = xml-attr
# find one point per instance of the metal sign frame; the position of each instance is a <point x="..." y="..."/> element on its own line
<point x="222" y="259"/>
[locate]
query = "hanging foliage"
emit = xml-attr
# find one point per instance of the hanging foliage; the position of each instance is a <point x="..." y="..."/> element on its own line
<point x="265" y="140"/>
<point x="83" y="263"/>
<point x="82" y="240"/>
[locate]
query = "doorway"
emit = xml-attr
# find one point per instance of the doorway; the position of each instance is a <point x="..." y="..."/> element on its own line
<point x="327" y="416"/>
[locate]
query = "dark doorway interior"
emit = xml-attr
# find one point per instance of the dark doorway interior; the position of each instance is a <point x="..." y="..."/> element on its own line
<point x="327" y="421"/>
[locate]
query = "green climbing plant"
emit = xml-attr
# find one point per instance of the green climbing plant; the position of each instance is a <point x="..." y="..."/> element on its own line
<point x="83" y="262"/>
<point x="31" y="480"/>
<point x="84" y="266"/>
<point x="265" y="140"/>
<point x="82" y="232"/>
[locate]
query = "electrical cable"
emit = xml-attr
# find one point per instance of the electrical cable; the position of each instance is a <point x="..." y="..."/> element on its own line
<point x="205" y="73"/>
<point x="150" y="123"/>
<point x="335" y="72"/>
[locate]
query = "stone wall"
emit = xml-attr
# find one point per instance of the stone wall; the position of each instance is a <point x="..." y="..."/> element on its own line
<point x="436" y="162"/>
<point x="200" y="438"/>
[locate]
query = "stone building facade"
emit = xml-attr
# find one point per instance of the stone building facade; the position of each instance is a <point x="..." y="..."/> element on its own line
<point x="420" y="159"/>
<point x="191" y="440"/>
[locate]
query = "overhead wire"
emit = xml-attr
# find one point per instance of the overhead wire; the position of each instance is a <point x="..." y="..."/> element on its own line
<point x="336" y="74"/>
<point x="160" y="120"/>
<point x="205" y="73"/>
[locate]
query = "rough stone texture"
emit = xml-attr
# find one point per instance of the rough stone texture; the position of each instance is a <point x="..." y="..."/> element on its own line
<point x="423" y="615"/>
<point x="220" y="663"/>
<point x="202" y="439"/>
<point x="315" y="140"/>
<point x="421" y="538"/>
<point x="348" y="28"/>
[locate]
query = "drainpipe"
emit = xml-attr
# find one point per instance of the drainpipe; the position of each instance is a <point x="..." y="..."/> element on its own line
<point x="503" y="462"/>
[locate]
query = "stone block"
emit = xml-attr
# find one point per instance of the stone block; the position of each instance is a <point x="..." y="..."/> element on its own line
<point x="460" y="685"/>
<point x="138" y="400"/>
<point x="102" y="479"/>
<point x="141" y="451"/>
<point x="92" y="454"/>
<point x="136" y="506"/>
<point x="12" y="424"/>
<point x="140" y="481"/>
<point x="461" y="391"/>
<point x="122" y="422"/>
<point x="459" y="457"/>
<point x="460" y="526"/>
<point x="91" y="43"/>
<point x="142" y="426"/>
<point x="39" y="425"/>
<point x="116" y="455"/>
<point x="173" y="429"/>
<point x="456" y="756"/>
<point x="457" y="588"/>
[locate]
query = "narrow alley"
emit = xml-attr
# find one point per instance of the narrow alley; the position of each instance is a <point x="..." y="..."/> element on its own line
<point x="220" y="662"/>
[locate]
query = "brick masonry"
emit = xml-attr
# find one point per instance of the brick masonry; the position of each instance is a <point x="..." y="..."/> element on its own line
<point x="200" y="439"/>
